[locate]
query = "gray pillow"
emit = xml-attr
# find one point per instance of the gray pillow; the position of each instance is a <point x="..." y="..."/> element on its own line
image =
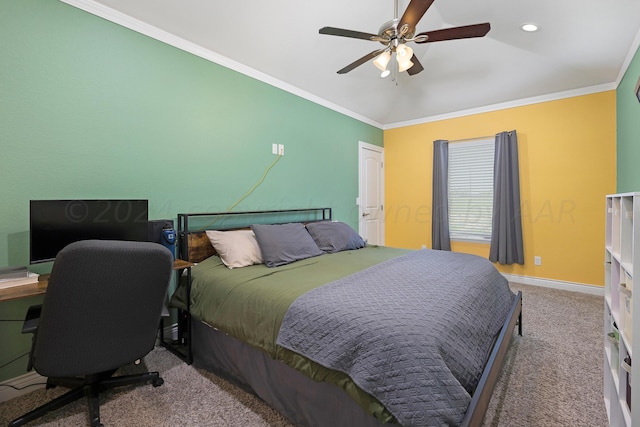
<point x="334" y="237"/>
<point x="282" y="244"/>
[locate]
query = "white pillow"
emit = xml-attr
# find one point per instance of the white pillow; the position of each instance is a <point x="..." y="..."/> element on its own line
<point x="236" y="248"/>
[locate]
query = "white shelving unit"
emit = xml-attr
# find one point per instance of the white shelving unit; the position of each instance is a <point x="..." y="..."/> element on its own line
<point x="622" y="252"/>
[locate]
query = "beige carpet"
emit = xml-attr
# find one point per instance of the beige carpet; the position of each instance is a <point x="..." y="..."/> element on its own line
<point x="552" y="377"/>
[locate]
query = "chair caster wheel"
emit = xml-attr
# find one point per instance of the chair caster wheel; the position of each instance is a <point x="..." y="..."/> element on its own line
<point x="157" y="382"/>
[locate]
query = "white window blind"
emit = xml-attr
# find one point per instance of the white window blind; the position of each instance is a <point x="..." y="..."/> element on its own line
<point x="471" y="189"/>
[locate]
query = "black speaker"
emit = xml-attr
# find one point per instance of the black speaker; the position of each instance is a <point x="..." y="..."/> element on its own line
<point x="155" y="229"/>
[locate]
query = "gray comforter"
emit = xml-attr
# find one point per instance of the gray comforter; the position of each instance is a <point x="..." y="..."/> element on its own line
<point x="414" y="331"/>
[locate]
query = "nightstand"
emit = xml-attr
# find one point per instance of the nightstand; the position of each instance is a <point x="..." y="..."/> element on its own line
<point x="181" y="347"/>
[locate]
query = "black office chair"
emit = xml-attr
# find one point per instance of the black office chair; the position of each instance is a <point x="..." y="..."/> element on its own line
<point x="101" y="311"/>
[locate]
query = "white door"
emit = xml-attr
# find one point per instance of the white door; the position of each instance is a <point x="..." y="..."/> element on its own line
<point x="371" y="197"/>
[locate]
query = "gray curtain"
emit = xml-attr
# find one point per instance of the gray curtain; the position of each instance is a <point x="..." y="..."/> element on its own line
<point x="440" y="199"/>
<point x="506" y="235"/>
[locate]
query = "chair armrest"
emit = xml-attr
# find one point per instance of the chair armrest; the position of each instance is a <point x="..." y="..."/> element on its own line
<point x="32" y="319"/>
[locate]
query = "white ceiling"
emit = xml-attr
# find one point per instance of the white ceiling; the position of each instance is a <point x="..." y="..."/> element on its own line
<point x="583" y="46"/>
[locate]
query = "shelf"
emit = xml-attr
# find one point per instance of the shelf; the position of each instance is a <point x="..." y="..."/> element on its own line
<point x="622" y="252"/>
<point x="628" y="267"/>
<point x="624" y="339"/>
<point x="612" y="360"/>
<point x="615" y="226"/>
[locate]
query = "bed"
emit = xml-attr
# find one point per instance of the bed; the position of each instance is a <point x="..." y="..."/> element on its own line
<point x="337" y="332"/>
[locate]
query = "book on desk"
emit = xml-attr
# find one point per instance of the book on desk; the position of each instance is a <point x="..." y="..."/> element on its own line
<point x="16" y="276"/>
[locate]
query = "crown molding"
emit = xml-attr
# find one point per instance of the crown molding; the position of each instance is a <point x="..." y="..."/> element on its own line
<point x="506" y="105"/>
<point x="630" y="55"/>
<point x="141" y="27"/>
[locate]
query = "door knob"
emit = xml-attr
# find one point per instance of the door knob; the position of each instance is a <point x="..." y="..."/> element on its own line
<point x="365" y="214"/>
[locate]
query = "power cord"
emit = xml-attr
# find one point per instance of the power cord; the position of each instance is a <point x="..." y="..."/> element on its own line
<point x="248" y="193"/>
<point x="12" y="386"/>
<point x="21" y="388"/>
<point x="11" y="361"/>
<point x="256" y="185"/>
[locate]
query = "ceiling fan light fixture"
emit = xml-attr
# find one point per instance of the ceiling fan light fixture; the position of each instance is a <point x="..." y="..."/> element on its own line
<point x="404" y="65"/>
<point x="382" y="60"/>
<point x="403" y="55"/>
<point x="403" y="51"/>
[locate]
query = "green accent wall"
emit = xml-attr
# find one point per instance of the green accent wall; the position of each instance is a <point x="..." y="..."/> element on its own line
<point x="628" y="129"/>
<point x="89" y="109"/>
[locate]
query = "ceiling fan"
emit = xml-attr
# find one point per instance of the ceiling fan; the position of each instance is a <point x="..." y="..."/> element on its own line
<point x="396" y="33"/>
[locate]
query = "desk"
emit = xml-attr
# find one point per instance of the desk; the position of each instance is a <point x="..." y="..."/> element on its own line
<point x="33" y="289"/>
<point x="25" y="291"/>
<point x="181" y="347"/>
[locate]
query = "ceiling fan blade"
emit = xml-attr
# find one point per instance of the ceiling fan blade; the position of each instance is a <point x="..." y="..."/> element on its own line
<point x="361" y="61"/>
<point x="413" y="14"/>
<point x="465" y="32"/>
<point x="416" y="68"/>
<point x="346" y="33"/>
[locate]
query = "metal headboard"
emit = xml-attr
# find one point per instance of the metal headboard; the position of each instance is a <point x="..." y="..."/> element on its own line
<point x="188" y="237"/>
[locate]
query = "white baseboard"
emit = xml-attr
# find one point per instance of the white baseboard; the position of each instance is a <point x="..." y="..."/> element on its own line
<point x="23" y="384"/>
<point x="556" y="284"/>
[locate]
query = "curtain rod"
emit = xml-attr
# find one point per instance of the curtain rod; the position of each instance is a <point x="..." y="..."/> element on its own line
<point x="472" y="139"/>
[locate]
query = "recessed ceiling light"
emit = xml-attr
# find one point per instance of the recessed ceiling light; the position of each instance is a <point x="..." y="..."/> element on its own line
<point x="529" y="27"/>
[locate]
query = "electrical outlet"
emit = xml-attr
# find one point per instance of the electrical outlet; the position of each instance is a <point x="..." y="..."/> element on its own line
<point x="537" y="260"/>
<point x="274" y="148"/>
<point x="424" y="247"/>
<point x="280" y="149"/>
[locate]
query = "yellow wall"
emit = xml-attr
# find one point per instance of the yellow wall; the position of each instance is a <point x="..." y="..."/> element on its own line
<point x="567" y="162"/>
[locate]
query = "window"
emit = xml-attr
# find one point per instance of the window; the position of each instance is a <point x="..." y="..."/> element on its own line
<point x="471" y="189"/>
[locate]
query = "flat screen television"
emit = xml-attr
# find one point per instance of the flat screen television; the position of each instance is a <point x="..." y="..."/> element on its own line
<point x="53" y="224"/>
